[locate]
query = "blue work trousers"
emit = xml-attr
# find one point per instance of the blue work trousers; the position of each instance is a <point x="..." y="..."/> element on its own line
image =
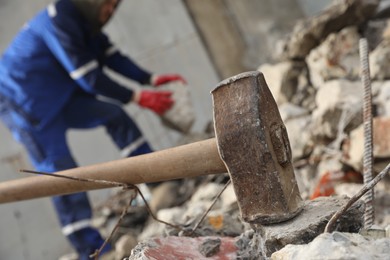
<point x="49" y="152"/>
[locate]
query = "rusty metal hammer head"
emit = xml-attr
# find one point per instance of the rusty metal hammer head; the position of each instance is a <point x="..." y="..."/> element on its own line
<point x="253" y="143"/>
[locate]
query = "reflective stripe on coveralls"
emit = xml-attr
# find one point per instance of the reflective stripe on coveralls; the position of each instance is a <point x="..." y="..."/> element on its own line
<point x="83" y="70"/>
<point x="131" y="148"/>
<point x="75" y="226"/>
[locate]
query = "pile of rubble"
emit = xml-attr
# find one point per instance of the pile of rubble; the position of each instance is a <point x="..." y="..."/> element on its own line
<point x="317" y="85"/>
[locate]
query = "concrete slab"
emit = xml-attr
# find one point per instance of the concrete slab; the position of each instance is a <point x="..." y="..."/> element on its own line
<point x="310" y="223"/>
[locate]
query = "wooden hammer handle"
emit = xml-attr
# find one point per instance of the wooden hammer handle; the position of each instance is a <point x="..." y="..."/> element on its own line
<point x="191" y="160"/>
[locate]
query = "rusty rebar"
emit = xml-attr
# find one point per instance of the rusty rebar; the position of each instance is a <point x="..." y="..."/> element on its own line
<point x="368" y="198"/>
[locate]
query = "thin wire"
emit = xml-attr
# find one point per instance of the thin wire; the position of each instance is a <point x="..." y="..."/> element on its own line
<point x="211" y="206"/>
<point x="125" y="210"/>
<point x="110" y="184"/>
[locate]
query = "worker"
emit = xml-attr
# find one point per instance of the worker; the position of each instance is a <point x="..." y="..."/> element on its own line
<point x="52" y="79"/>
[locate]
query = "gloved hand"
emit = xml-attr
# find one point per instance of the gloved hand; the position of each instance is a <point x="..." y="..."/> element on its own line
<point x="158" y="80"/>
<point x="158" y="101"/>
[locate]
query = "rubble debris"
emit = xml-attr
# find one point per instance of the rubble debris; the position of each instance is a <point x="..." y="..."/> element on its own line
<point x="328" y="182"/>
<point x="282" y="79"/>
<point x="336" y="57"/>
<point x="316" y="83"/>
<point x="173" y="247"/>
<point x="307" y="34"/>
<point x="310" y="223"/>
<point x="181" y="116"/>
<point x="337" y="245"/>
<point x="381" y="143"/>
<point x="210" y="247"/>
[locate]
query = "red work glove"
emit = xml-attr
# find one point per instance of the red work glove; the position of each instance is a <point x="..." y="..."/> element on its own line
<point x="158" y="101"/>
<point x="158" y="80"/>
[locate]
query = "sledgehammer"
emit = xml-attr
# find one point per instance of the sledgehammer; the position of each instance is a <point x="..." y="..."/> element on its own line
<point x="251" y="144"/>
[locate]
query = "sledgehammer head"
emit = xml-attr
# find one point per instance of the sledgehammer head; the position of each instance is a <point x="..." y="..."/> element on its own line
<point x="253" y="143"/>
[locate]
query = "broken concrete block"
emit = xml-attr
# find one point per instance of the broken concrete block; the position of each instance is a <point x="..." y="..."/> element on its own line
<point x="379" y="60"/>
<point x="206" y="192"/>
<point x="373" y="232"/>
<point x="210" y="247"/>
<point x="307" y="34"/>
<point x="354" y="149"/>
<point x="164" y="196"/>
<point x="156" y="229"/>
<point x="336" y="57"/>
<point x="338" y="102"/>
<point x="337" y="245"/>
<point x="182" y="115"/>
<point x="381" y="97"/>
<point x="282" y="79"/>
<point x="289" y="111"/>
<point x="310" y="223"/>
<point x="299" y="136"/>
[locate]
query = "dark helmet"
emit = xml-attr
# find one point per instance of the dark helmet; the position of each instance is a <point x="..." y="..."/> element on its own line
<point x="90" y="9"/>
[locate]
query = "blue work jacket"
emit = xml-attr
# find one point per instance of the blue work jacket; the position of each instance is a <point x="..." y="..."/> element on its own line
<point x="56" y="54"/>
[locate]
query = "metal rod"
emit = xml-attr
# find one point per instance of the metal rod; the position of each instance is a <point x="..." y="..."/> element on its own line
<point x="368" y="198"/>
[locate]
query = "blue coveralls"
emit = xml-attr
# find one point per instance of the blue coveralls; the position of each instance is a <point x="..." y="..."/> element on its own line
<point x="50" y="78"/>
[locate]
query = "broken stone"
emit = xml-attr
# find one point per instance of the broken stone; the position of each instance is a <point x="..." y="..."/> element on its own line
<point x="164" y="196"/>
<point x="387" y="231"/>
<point x="156" y="229"/>
<point x="337" y="245"/>
<point x="373" y="232"/>
<point x="250" y="246"/>
<point x="206" y="192"/>
<point x="299" y="136"/>
<point x="348" y="189"/>
<point x="336" y="57"/>
<point x="310" y="223"/>
<point x="379" y="59"/>
<point x="282" y="79"/>
<point x="210" y="247"/>
<point x="222" y="220"/>
<point x="290" y="111"/>
<point x="331" y="164"/>
<point x="307" y="34"/>
<point x="381" y="98"/>
<point x="181" y="115"/>
<point x="305" y="176"/>
<point x="381" y="143"/>
<point x="339" y="109"/>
